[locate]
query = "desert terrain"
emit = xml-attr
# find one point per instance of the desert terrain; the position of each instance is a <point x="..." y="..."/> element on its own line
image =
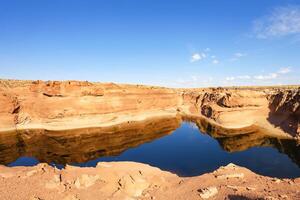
<point x="38" y="110"/>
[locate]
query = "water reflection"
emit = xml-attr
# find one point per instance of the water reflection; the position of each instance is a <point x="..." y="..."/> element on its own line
<point x="241" y="139"/>
<point x="185" y="152"/>
<point x="81" y="145"/>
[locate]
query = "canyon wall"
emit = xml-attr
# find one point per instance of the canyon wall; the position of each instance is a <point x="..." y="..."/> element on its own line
<point x="55" y="105"/>
<point x="272" y="110"/>
<point x="74" y="104"/>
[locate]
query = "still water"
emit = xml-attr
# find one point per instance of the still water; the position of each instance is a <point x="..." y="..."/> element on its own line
<point x="185" y="151"/>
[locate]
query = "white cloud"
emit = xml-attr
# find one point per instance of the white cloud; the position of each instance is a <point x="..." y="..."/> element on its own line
<point x="261" y="77"/>
<point x="196" y="57"/>
<point x="194" y="78"/>
<point x="231" y="78"/>
<point x="207" y="49"/>
<point x="244" y="77"/>
<point x="284" y="70"/>
<point x="194" y="81"/>
<point x="281" y="21"/>
<point x="213" y="56"/>
<point x="237" y="55"/>
<point x="266" y="77"/>
<point x="215" y="61"/>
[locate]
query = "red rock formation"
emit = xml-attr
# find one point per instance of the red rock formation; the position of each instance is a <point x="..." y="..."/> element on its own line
<point x="56" y="105"/>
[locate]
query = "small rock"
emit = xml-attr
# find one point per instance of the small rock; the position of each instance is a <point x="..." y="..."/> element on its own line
<point x="102" y="164"/>
<point x="270" y="198"/>
<point x="290" y="182"/>
<point x="30" y="173"/>
<point x="235" y="175"/>
<point x="276" y="180"/>
<point x="71" y="197"/>
<point x="133" y="186"/>
<point x="235" y="188"/>
<point x="86" y="181"/>
<point x="35" y="198"/>
<point x="54" y="183"/>
<point x="230" y="165"/>
<point x="250" y="188"/>
<point x="283" y="196"/>
<point x="206" y="193"/>
<point x="6" y="175"/>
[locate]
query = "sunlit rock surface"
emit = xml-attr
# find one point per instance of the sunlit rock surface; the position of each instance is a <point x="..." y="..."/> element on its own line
<point x="129" y="180"/>
<point x="55" y="105"/>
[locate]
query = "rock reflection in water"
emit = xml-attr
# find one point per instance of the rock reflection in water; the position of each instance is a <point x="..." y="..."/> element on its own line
<point x="181" y="152"/>
<point x="241" y="139"/>
<point x="81" y="145"/>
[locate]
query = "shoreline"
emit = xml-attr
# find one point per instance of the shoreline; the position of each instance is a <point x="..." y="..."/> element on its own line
<point x="94" y="121"/>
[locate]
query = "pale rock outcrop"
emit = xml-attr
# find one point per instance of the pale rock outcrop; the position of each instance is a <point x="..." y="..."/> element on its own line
<point x="129" y="180"/>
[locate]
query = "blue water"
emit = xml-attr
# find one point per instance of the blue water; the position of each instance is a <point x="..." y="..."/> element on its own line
<point x="187" y="152"/>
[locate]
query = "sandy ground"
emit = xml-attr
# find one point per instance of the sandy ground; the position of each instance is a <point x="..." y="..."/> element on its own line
<point x="129" y="180"/>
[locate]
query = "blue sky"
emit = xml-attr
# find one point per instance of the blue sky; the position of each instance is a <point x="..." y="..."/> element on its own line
<point x="190" y="43"/>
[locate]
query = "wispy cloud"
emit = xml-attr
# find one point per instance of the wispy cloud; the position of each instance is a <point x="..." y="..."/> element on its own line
<point x="215" y="61"/>
<point x="194" y="81"/>
<point x="244" y="77"/>
<point x="261" y="77"/>
<point x="237" y="56"/>
<point x="281" y="21"/>
<point x="230" y="78"/>
<point x="266" y="77"/>
<point x="205" y="54"/>
<point x="284" y="70"/>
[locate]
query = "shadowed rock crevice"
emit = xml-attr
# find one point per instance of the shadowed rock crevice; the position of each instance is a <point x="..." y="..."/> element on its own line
<point x="285" y="111"/>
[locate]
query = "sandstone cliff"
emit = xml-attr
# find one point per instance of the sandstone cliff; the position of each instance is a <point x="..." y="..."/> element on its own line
<point x="274" y="111"/>
<point x="73" y="104"/>
<point x="54" y="105"/>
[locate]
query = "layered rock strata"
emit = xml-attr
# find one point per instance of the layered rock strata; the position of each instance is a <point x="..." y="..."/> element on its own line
<point x="54" y="105"/>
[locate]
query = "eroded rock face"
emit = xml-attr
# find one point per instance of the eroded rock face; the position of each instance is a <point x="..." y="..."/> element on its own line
<point x="260" y="108"/>
<point x="55" y="105"/>
<point x="285" y="110"/>
<point x="70" y="104"/>
<point x="129" y="180"/>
